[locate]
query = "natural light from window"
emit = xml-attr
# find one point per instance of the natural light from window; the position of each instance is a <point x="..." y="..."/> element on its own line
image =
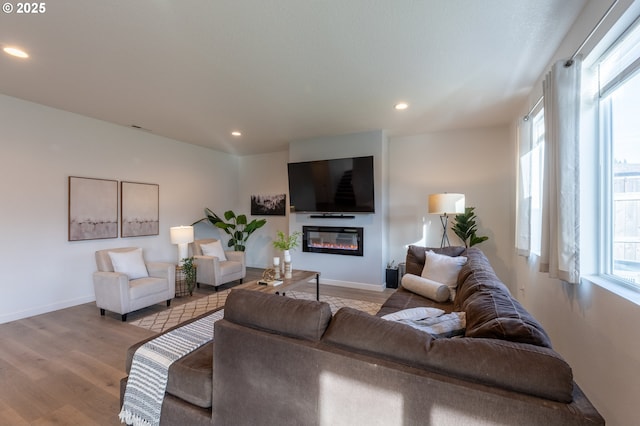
<point x="619" y="82"/>
<point x="625" y="180"/>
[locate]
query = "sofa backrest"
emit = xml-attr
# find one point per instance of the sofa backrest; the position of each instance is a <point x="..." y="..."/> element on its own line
<point x="303" y="319"/>
<point x="416" y="256"/>
<point x="512" y="366"/>
<point x="491" y="311"/>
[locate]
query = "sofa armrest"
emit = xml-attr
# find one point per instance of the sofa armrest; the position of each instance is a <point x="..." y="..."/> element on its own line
<point x="112" y="291"/>
<point x="206" y="267"/>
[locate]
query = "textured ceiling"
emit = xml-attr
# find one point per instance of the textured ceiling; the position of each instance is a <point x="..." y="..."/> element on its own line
<point x="284" y="70"/>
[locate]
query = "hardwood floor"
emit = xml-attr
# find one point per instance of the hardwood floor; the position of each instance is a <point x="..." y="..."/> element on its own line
<point x="64" y="367"/>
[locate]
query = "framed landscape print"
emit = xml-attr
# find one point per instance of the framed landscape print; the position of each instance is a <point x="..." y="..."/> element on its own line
<point x="93" y="208"/>
<point x="268" y="205"/>
<point x="139" y="204"/>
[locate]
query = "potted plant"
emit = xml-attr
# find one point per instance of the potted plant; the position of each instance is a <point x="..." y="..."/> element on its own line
<point x="237" y="227"/>
<point x="286" y="244"/>
<point x="465" y="228"/>
<point x="189" y="269"/>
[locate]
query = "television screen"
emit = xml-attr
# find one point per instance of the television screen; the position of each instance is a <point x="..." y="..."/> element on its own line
<point x="328" y="186"/>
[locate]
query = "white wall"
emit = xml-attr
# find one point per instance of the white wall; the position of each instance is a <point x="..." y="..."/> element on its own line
<point x="477" y="163"/>
<point x="40" y="147"/>
<point x="354" y="271"/>
<point x="591" y="326"/>
<point x="264" y="174"/>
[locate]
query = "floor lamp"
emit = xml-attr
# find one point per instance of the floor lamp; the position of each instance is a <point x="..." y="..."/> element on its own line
<point x="444" y="205"/>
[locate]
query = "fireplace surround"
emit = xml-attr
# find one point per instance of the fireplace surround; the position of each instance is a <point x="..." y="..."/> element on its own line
<point x="333" y="240"/>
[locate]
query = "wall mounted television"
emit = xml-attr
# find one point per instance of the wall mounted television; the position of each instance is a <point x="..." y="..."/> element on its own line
<point x="343" y="185"/>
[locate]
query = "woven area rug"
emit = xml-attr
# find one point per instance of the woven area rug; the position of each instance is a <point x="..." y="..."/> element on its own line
<point x="166" y="319"/>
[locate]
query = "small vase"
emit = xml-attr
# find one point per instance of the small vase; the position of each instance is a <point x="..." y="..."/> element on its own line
<point x="287" y="264"/>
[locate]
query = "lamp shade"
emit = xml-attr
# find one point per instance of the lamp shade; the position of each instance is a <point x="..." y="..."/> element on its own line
<point x="181" y="234"/>
<point x="446" y="203"/>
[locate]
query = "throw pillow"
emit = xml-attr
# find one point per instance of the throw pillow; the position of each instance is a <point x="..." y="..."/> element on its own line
<point x="414" y="314"/>
<point x="130" y="263"/>
<point x="443" y="269"/>
<point x="425" y="287"/>
<point x="214" y="249"/>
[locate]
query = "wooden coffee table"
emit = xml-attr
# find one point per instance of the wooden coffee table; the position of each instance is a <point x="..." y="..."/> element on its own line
<point x="298" y="277"/>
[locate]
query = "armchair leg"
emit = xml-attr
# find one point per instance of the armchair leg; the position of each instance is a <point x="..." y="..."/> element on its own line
<point x="101" y="312"/>
<point x="240" y="280"/>
<point x="198" y="285"/>
<point x="168" y="303"/>
<point x="124" y="317"/>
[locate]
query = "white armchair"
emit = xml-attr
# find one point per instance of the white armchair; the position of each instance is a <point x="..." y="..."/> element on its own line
<point x="124" y="282"/>
<point x="217" y="267"/>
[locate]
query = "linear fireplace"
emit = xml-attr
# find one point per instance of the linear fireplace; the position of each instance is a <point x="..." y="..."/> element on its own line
<point x="333" y="240"/>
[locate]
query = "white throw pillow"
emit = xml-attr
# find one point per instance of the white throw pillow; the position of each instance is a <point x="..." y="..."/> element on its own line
<point x="130" y="263"/>
<point x="214" y="249"/>
<point x="425" y="287"/>
<point x="443" y="269"/>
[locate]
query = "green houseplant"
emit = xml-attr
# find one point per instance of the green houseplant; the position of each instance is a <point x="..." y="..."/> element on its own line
<point x="189" y="269"/>
<point x="236" y="226"/>
<point x="286" y="244"/>
<point x="465" y="228"/>
<point x="282" y="242"/>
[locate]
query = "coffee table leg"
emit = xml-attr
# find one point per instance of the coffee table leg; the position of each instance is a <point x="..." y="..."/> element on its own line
<point x="318" y="287"/>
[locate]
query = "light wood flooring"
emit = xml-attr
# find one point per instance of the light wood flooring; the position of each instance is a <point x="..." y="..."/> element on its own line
<point x="64" y="367"/>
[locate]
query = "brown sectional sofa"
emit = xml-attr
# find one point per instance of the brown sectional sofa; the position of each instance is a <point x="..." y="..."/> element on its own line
<point x="281" y="361"/>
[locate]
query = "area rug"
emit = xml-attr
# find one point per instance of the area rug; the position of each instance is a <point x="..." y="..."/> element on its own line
<point x="166" y="319"/>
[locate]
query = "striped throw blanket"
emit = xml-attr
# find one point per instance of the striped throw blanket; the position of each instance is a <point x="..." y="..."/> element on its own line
<point x="150" y="369"/>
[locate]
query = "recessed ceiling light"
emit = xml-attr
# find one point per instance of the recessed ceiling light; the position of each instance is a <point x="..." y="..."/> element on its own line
<point x="401" y="105"/>
<point x="236" y="133"/>
<point x="14" y="51"/>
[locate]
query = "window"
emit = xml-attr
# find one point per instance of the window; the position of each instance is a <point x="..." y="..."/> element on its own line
<point x="531" y="186"/>
<point x="619" y="105"/>
<point x="537" y="156"/>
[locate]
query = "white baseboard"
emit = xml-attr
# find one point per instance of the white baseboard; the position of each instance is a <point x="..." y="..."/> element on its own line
<point x="351" y="284"/>
<point x="38" y="310"/>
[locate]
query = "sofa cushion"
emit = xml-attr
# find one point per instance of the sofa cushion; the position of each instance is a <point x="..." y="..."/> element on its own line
<point x="130" y="263"/>
<point x="443" y="269"/>
<point x="425" y="287"/>
<point x="476" y="274"/>
<point x="491" y="310"/>
<point x="356" y="330"/>
<point x="143" y="287"/>
<point x="405" y="299"/>
<point x="303" y="319"/>
<point x="512" y="366"/>
<point x="214" y="249"/>
<point x="416" y="256"/>
<point x="495" y="314"/>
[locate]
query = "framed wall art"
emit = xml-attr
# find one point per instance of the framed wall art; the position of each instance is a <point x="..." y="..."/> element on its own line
<point x="139" y="205"/>
<point x="93" y="208"/>
<point x="268" y="205"/>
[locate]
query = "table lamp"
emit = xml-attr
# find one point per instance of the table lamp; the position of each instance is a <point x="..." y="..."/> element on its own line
<point x="182" y="236"/>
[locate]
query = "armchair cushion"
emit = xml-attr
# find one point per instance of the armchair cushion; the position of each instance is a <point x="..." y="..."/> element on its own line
<point x="143" y="287"/>
<point x="214" y="249"/>
<point x="130" y="263"/>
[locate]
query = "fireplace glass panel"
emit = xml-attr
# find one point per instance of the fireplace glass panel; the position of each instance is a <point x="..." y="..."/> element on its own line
<point x="332" y="240"/>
